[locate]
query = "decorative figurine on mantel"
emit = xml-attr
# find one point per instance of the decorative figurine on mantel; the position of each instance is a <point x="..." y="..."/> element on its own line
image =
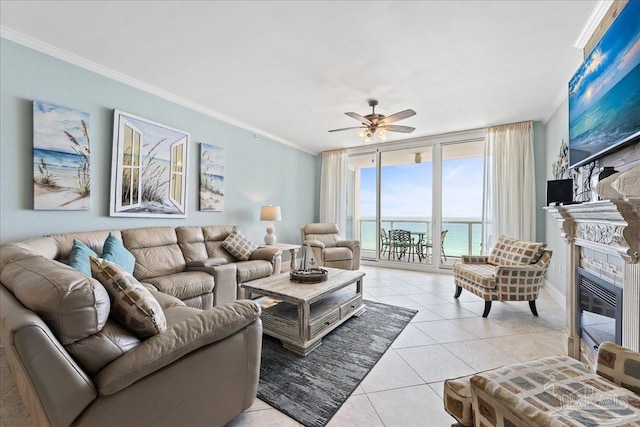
<point x="309" y="272"/>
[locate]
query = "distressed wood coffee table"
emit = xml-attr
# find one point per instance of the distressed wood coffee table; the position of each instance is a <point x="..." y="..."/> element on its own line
<point x="300" y="314"/>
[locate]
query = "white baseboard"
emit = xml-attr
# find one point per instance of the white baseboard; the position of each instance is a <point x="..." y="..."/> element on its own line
<point x="558" y="296"/>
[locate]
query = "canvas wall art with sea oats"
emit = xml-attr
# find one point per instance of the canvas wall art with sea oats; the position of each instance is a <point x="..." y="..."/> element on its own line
<point x="148" y="169"/>
<point x="211" y="178"/>
<point x="61" y="158"/>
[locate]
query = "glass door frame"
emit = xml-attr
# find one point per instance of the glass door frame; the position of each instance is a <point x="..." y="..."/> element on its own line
<point x="435" y="143"/>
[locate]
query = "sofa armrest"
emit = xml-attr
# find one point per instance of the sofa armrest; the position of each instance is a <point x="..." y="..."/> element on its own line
<point x="354" y="245"/>
<point x="522" y="281"/>
<point x="351" y="244"/>
<point x="225" y="287"/>
<point x="266" y="253"/>
<point x="159" y="351"/>
<point x="314" y="243"/>
<point x="473" y="259"/>
<point x="619" y="365"/>
<point x="53" y="386"/>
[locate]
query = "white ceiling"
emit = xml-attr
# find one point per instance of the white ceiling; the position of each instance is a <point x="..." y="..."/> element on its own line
<point x="289" y="70"/>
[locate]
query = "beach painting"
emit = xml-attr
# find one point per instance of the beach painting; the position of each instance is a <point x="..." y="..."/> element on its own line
<point x="149" y="168"/>
<point x="211" y="178"/>
<point x="61" y="158"/>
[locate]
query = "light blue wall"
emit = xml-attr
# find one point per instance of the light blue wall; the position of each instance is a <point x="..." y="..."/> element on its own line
<point x="257" y="170"/>
<point x="556" y="130"/>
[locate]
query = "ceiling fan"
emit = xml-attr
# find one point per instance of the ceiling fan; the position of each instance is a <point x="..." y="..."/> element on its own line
<point x="379" y="124"/>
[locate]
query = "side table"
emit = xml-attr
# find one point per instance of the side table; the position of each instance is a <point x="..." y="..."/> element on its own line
<point x="293" y="250"/>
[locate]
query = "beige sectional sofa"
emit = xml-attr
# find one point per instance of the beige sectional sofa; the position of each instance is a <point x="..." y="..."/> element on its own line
<point x="188" y="263"/>
<point x="75" y="363"/>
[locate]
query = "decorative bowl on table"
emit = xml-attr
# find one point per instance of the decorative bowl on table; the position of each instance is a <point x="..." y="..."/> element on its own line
<point x="310" y="275"/>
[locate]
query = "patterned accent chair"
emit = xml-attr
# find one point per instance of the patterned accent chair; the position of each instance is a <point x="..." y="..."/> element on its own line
<point x="328" y="249"/>
<point x="553" y="391"/>
<point x="512" y="272"/>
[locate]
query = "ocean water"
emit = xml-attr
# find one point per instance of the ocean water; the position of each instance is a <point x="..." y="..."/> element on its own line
<point x="612" y="119"/>
<point x="62" y="166"/>
<point x="456" y="242"/>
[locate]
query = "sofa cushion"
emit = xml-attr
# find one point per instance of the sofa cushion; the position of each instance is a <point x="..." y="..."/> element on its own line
<point x="191" y="242"/>
<point x="481" y="274"/>
<point x="251" y="270"/>
<point x="114" y="251"/>
<point x="79" y="257"/>
<point x="238" y="245"/>
<point x="337" y="254"/>
<point x="156" y="250"/>
<point x="508" y="251"/>
<point x="71" y="303"/>
<point x="98" y="350"/>
<point x="132" y="304"/>
<point x="184" y="285"/>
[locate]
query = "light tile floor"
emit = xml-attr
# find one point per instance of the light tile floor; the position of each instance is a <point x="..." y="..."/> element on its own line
<point x="447" y="338"/>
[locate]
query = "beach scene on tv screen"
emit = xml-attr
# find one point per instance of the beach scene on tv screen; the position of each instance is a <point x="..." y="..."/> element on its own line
<point x="604" y="94"/>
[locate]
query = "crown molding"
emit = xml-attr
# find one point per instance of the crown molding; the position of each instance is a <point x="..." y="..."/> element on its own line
<point x="592" y="23"/>
<point x="66" y="56"/>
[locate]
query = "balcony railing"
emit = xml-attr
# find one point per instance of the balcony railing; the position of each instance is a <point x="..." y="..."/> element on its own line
<point x="464" y="237"/>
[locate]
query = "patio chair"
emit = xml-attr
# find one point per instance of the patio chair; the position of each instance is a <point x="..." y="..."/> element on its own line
<point x="429" y="245"/>
<point x="384" y="241"/>
<point x="401" y="244"/>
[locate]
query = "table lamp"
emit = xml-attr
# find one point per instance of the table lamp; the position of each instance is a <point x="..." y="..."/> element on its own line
<point x="270" y="213"/>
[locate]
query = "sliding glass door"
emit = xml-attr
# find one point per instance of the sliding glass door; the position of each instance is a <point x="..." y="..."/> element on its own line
<point x="406" y="182"/>
<point x="418" y="206"/>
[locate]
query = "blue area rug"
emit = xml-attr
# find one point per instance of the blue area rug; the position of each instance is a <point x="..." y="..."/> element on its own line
<point x="311" y="389"/>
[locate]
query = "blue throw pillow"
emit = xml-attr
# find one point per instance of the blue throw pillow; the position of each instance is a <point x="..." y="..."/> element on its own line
<point x="115" y="252"/>
<point x="79" y="257"/>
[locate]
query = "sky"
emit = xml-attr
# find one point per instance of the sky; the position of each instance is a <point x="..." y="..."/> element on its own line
<point x="617" y="53"/>
<point x="406" y="190"/>
<point x="49" y="123"/>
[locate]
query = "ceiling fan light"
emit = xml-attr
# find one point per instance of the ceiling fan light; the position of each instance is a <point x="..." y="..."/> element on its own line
<point x="381" y="133"/>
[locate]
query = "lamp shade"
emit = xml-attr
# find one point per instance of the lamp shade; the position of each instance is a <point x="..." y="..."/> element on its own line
<point x="270" y="213"/>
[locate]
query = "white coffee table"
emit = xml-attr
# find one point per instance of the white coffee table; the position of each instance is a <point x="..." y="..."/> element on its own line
<point x="300" y="314"/>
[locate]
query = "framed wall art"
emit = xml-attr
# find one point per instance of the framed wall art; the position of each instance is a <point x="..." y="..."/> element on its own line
<point x="61" y="158"/>
<point x="211" y="178"/>
<point x="149" y="168"/>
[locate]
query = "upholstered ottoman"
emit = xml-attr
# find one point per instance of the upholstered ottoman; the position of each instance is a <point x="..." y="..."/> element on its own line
<point x="554" y="391"/>
<point x="457" y="400"/>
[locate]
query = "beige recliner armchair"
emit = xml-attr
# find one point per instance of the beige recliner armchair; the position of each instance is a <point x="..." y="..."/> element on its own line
<point x="329" y="250"/>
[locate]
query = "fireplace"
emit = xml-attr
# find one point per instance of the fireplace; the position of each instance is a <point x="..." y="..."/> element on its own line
<point x="603" y="274"/>
<point x="600" y="313"/>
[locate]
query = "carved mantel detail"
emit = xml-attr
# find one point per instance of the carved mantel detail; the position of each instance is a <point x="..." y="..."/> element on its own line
<point x="611" y="226"/>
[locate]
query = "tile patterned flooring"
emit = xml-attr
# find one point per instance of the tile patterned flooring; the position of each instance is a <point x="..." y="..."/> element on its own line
<point x="447" y="338"/>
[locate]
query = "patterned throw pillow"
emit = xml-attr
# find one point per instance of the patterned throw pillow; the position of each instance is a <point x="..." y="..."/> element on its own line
<point x="238" y="245"/>
<point x="114" y="251"/>
<point x="510" y="251"/>
<point x="79" y="257"/>
<point x="131" y="303"/>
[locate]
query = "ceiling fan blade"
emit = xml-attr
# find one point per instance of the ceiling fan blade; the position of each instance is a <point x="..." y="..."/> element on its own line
<point x="355" y="127"/>
<point x="398" y="116"/>
<point x="396" y="128"/>
<point x="360" y="118"/>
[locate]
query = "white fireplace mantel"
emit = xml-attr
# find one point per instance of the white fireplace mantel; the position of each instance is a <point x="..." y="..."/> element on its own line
<point x="610" y="227"/>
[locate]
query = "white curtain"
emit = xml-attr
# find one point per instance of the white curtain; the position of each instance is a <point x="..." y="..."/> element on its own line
<point x="333" y="189"/>
<point x="509" y="184"/>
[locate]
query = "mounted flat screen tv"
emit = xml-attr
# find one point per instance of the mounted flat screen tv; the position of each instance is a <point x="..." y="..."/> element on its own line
<point x="604" y="94"/>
